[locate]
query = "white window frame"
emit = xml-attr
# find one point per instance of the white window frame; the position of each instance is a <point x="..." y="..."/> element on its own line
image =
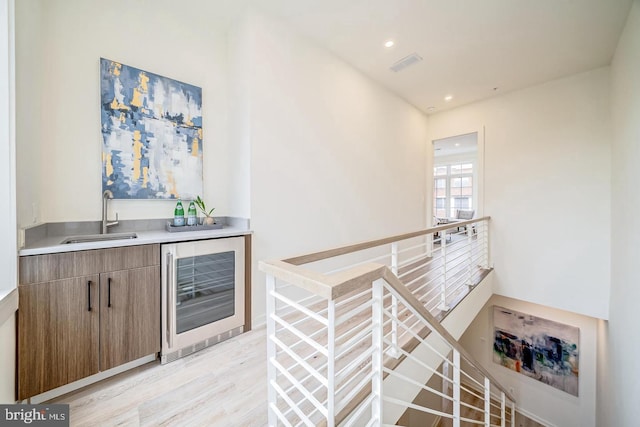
<point x="473" y="175"/>
<point x="8" y="222"/>
<point x="432" y="158"/>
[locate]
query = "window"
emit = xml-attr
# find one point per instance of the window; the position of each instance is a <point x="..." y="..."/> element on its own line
<point x="461" y="202"/>
<point x="440" y="195"/>
<point x="453" y="189"/>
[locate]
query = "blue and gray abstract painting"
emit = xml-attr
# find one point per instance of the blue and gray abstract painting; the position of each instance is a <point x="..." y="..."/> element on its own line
<point x="152" y="134"/>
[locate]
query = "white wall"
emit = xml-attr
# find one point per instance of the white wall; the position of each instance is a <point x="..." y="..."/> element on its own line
<point x="29" y="84"/>
<point x="190" y="46"/>
<point x="8" y="244"/>
<point x="240" y="70"/>
<point x="547" y="403"/>
<point x="8" y="361"/>
<point x="335" y="159"/>
<point x="547" y="188"/>
<point x="620" y="393"/>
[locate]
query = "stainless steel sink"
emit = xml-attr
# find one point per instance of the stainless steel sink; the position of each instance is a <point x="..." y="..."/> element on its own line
<point x="98" y="238"/>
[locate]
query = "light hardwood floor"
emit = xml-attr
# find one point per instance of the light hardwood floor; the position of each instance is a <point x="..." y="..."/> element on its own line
<point x="224" y="385"/>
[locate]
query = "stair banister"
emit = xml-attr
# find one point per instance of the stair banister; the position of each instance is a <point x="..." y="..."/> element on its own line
<point x="348" y="249"/>
<point x="326" y="361"/>
<point x="415" y="304"/>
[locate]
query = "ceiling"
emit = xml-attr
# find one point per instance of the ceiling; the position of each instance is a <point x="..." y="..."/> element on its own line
<point x="460" y="144"/>
<point x="471" y="49"/>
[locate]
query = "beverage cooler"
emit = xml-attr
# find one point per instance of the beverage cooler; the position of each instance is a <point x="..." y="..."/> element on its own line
<point x="202" y="294"/>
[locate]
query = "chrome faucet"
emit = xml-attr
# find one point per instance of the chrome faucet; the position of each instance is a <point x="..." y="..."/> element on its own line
<point x="105" y="222"/>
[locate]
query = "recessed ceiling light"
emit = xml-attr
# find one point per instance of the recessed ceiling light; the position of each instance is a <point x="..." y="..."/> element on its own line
<point x="457" y="144"/>
<point x="389" y="43"/>
<point x="448" y="98"/>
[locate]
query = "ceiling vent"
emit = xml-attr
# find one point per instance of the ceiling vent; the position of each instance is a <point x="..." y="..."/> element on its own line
<point x="405" y="62"/>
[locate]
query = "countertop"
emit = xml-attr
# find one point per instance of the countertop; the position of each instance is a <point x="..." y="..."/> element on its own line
<point x="52" y="244"/>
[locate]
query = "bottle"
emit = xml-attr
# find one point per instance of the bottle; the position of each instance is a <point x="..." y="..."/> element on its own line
<point x="178" y="215"/>
<point x="192" y="215"/>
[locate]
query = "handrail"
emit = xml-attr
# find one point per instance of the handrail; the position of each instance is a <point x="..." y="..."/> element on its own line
<point x="334" y="286"/>
<point x="383" y="306"/>
<point x="331" y="287"/>
<point x="343" y="250"/>
<point x="395" y="283"/>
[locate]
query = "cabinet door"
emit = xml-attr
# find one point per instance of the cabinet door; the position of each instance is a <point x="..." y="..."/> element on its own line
<point x="57" y="334"/>
<point x="129" y="315"/>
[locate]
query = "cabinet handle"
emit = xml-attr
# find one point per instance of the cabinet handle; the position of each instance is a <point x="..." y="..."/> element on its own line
<point x="109" y="292"/>
<point x="89" y="292"/>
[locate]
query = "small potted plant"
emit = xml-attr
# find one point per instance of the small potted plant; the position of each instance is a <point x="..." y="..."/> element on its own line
<point x="208" y="219"/>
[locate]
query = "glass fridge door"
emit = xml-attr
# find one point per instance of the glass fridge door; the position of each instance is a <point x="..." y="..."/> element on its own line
<point x="205" y="290"/>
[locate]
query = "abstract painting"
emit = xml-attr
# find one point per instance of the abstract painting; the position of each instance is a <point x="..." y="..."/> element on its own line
<point x="152" y="134"/>
<point x="538" y="348"/>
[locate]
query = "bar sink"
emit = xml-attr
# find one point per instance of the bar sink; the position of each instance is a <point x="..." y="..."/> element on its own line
<point x="98" y="238"/>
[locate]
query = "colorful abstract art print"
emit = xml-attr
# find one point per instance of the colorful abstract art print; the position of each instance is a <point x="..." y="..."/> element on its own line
<point x="152" y="134"/>
<point x="542" y="349"/>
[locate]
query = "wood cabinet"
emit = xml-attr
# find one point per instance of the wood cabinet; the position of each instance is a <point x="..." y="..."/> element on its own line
<point x="85" y="312"/>
<point x="129" y="315"/>
<point x="57" y="334"/>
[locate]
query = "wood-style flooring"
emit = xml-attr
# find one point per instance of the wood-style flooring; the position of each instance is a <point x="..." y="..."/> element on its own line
<point x="224" y="385"/>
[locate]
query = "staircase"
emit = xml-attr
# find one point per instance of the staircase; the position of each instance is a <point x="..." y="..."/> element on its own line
<point x="355" y="334"/>
<point x="471" y="408"/>
<point x="471" y="404"/>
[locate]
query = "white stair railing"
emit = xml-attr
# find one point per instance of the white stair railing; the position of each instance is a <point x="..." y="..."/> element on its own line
<point x="356" y="347"/>
<point x="333" y="360"/>
<point x="485" y="404"/>
<point x="439" y="265"/>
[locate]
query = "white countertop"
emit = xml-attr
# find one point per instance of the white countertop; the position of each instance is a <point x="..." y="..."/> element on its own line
<point x="50" y="245"/>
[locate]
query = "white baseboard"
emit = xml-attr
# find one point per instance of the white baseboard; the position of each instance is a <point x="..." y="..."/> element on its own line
<point x="76" y="385"/>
